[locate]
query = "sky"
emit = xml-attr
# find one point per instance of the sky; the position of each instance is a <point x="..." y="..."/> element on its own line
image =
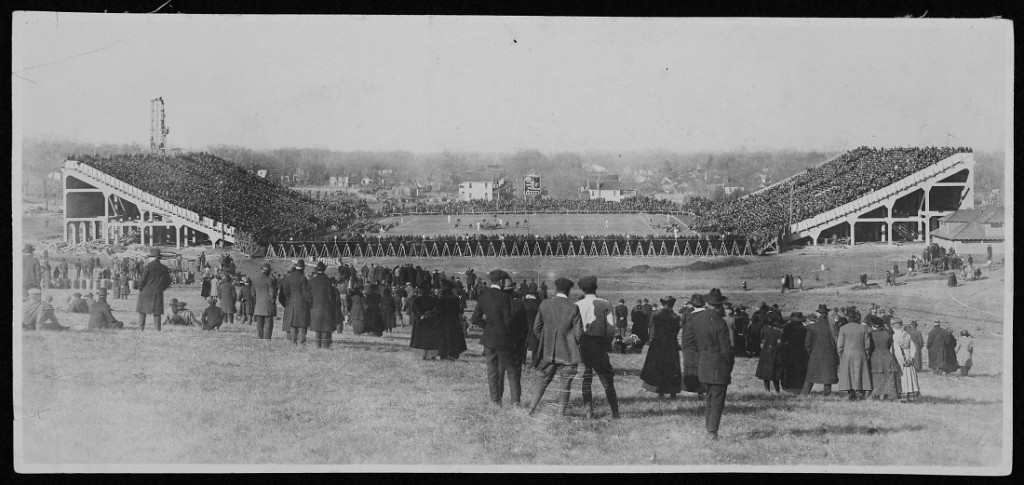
<point x="499" y="84"/>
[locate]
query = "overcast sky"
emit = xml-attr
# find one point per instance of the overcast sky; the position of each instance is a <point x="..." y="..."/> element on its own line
<point x="500" y="84"/>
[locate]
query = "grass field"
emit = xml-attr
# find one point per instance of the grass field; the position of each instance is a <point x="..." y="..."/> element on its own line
<point x="184" y="396"/>
<point x="543" y="224"/>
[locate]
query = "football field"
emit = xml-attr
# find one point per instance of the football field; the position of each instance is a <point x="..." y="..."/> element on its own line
<point x="542" y="224"/>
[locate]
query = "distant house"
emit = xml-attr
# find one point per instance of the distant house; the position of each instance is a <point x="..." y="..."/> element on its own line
<point x="484" y="185"/>
<point x="608" y="187"/>
<point x="971" y="231"/>
<point x="341" y="181"/>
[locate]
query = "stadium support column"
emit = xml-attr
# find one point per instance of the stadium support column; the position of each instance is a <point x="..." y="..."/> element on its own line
<point x="106" y="217"/>
<point x="889" y="222"/>
<point x="853" y="230"/>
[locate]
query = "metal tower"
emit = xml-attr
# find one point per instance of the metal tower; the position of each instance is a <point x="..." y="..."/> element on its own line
<point x="157" y="129"/>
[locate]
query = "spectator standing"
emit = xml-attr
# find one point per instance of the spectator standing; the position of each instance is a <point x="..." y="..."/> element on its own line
<point x="853" y="345"/>
<point x="906" y="353"/>
<point x="32" y="271"/>
<point x="494" y="314"/>
<point x="965" y="352"/>
<point x="155" y="278"/>
<point x="323" y="310"/>
<point x="598" y="333"/>
<point x="558" y="328"/>
<point x="711" y="337"/>
<point x="296" y="298"/>
<point x="264" y="296"/>
<point x="662" y="372"/>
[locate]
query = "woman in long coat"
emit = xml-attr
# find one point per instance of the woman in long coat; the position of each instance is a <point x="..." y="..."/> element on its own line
<point x="964" y="351"/>
<point x="374" y="320"/>
<point x="426" y="312"/>
<point x="357" y="311"/>
<point x="247" y="304"/>
<point x="906" y="352"/>
<point x="885" y="370"/>
<point x="323" y="310"/>
<point x="853" y="344"/>
<point x="661" y="372"/>
<point x="204" y="290"/>
<point x="794" y="353"/>
<point x="452" y="338"/>
<point x="387" y="309"/>
<point x="769" y="363"/>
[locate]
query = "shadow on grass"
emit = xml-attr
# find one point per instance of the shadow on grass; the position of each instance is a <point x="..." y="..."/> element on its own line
<point x="831" y="430"/>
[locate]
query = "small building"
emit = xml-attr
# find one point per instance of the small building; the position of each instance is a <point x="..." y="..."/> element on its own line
<point x="610" y="189"/>
<point x="484" y="185"/>
<point x="971" y="231"/>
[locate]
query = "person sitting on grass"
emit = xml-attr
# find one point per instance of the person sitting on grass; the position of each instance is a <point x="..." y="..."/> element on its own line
<point x="38" y="315"/>
<point x="100" y="315"/>
<point x="77" y="304"/>
<point x="181" y="315"/>
<point x="213" y="316"/>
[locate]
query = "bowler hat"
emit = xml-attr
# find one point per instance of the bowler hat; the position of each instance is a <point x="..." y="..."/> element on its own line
<point x="913" y="323"/>
<point x="154" y="253"/>
<point x="102" y="292"/>
<point x="896" y="321"/>
<point x="668" y="301"/>
<point x="508" y="284"/>
<point x="797" y="317"/>
<point x="588" y="284"/>
<point x="563" y="285"/>
<point x="696" y="300"/>
<point x="497" y="275"/>
<point x="76" y="294"/>
<point x="300" y="264"/>
<point x="266" y="266"/>
<point x="715" y="297"/>
<point x="320" y="266"/>
<point x="822" y="308"/>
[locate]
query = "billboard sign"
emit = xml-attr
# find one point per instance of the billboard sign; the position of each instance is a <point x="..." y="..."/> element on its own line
<point x="531" y="184"/>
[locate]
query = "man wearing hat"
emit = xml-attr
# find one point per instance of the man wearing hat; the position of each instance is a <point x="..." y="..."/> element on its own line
<point x="226" y="295"/>
<point x="181" y="315"/>
<point x="598" y="333"/>
<point x="714" y="348"/>
<point x="853" y="342"/>
<point x="100" y="315"/>
<point x="155" y="278"/>
<point x="213" y="316"/>
<point x="32" y="271"/>
<point x="37" y="314"/>
<point x="500" y="338"/>
<point x="621" y="318"/>
<point x="559" y="328"/>
<point x="323" y="312"/>
<point x="823" y="360"/>
<point x="918" y="340"/>
<point x="296" y="298"/>
<point x="264" y="293"/>
<point x="77" y="304"/>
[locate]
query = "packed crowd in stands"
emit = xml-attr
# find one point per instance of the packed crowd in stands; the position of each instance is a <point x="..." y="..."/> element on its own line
<point x="204" y="183"/>
<point x="211" y="186"/>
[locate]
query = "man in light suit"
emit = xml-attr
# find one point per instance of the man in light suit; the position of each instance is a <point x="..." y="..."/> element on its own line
<point x="598" y="334"/>
<point x="559" y="328"/>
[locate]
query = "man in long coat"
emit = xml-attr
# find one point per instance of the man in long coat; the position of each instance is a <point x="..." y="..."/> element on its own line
<point x="639" y="323"/>
<point x="558" y="328"/>
<point x="264" y="293"/>
<point x="296" y="298"/>
<point x="714" y="348"/>
<point x="823" y="363"/>
<point x="324" y="308"/>
<point x="853" y="344"/>
<point x="155" y="278"/>
<point x="918" y="340"/>
<point x="226" y="295"/>
<point x="500" y="339"/>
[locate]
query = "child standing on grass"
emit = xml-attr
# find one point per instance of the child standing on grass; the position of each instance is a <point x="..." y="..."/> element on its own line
<point x="213" y="316"/>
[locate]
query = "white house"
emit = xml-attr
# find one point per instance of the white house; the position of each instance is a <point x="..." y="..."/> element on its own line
<point x="483" y="185"/>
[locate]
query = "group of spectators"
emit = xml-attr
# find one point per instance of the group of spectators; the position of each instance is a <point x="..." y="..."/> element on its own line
<point x="219" y="190"/>
<point x="638" y="204"/>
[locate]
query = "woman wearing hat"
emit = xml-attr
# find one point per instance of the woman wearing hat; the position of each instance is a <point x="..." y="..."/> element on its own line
<point x="965" y="352"/>
<point x="794" y="353"/>
<point x="885" y="369"/>
<point x="661" y="372"/>
<point x="453" y="337"/>
<point x="425" y="310"/>
<point x="374" y="318"/>
<point x="387" y="308"/>
<point x="769" y="364"/>
<point x="906" y="352"/>
<point x="356" y="308"/>
<point x="226" y="294"/>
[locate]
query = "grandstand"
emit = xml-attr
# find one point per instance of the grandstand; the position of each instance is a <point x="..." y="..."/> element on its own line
<point x="186" y="199"/>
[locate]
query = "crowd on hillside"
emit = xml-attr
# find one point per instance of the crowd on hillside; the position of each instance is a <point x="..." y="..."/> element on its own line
<point x="219" y="190"/>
